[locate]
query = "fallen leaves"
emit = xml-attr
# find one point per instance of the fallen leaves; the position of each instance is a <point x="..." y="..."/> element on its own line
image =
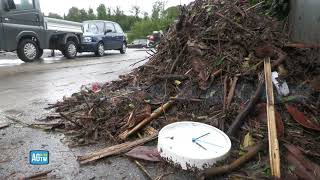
<point x="301" y="166"/>
<point x="262" y="116"/>
<point x="145" y="153"/>
<point x="200" y="67"/>
<point x="300" y="118"/>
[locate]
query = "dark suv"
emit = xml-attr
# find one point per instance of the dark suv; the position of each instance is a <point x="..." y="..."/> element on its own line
<point x="99" y="36"/>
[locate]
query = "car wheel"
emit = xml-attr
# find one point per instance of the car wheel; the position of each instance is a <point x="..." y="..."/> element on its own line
<point x="123" y="48"/>
<point x="40" y="53"/>
<point x="70" y="50"/>
<point x="28" y="50"/>
<point x="100" y="50"/>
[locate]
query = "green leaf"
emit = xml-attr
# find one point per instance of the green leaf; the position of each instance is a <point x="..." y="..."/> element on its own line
<point x="291" y="168"/>
<point x="288" y="99"/>
<point x="131" y="105"/>
<point x="219" y="61"/>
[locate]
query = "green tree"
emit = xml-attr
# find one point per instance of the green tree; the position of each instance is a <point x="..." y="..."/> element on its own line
<point x="143" y="28"/>
<point x="145" y="16"/>
<point x="91" y="15"/>
<point x="157" y="9"/>
<point x="54" y="15"/>
<point x="73" y="15"/>
<point x="83" y="15"/>
<point x="135" y="10"/>
<point x="102" y="12"/>
<point x="171" y="12"/>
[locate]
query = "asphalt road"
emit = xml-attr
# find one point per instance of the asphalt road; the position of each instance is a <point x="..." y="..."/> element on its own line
<point x="27" y="88"/>
<point x="52" y="78"/>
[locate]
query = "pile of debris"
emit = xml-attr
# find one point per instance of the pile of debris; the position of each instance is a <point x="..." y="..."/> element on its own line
<point x="207" y="69"/>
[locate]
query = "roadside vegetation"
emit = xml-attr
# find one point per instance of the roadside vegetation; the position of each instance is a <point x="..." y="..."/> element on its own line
<point x="137" y="25"/>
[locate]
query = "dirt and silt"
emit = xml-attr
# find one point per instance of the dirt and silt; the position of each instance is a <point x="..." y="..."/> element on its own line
<point x="208" y="67"/>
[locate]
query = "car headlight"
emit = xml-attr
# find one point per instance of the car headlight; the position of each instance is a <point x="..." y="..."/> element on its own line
<point x="87" y="39"/>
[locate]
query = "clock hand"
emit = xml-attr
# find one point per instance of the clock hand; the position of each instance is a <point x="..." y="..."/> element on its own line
<point x="195" y="139"/>
<point x="210" y="143"/>
<point x="201" y="146"/>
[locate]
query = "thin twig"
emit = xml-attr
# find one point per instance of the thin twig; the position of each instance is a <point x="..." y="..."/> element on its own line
<point x="143" y="169"/>
<point x="234" y="23"/>
<point x="231" y="92"/>
<point x="177" y="59"/>
<point x="70" y="120"/>
<point x="254" y="6"/>
<point x="131" y="65"/>
<point x="241" y="116"/>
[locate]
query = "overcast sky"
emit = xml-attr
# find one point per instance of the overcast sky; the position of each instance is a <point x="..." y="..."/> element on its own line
<point x="62" y="6"/>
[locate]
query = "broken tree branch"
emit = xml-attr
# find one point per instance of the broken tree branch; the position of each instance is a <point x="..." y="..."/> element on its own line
<point x="241" y="116"/>
<point x="274" y="154"/>
<point x="235" y="164"/>
<point x="153" y="116"/>
<point x="114" y="150"/>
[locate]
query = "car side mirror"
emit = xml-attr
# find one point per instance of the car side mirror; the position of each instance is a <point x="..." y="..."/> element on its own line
<point x="108" y="31"/>
<point x="9" y="5"/>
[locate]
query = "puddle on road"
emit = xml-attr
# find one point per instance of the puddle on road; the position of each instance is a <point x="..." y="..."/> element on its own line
<point x="10" y="62"/>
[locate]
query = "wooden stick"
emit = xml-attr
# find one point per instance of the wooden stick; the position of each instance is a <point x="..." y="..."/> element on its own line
<point x="225" y="92"/>
<point x="235" y="164"/>
<point x="154" y="115"/>
<point x="301" y="45"/>
<point x="274" y="154"/>
<point x="173" y="77"/>
<point x="254" y="6"/>
<point x="241" y="116"/>
<point x="186" y="99"/>
<point x="38" y="175"/>
<point x="143" y="169"/>
<point x="114" y="150"/>
<point x="231" y="92"/>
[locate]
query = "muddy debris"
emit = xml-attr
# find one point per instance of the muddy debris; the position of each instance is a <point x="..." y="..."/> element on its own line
<point x="207" y="68"/>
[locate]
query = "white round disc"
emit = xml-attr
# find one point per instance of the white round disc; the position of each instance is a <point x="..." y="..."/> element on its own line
<point x="193" y="145"/>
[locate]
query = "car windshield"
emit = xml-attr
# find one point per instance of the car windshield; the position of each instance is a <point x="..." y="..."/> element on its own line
<point x="93" y="27"/>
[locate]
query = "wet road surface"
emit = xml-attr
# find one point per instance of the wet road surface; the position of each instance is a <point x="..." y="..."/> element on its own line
<point x="27" y="88"/>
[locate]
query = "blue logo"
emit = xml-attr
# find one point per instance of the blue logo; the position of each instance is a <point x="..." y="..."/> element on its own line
<point x="39" y="157"/>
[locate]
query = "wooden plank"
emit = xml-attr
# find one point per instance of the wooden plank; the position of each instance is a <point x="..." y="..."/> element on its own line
<point x="114" y="150"/>
<point x="272" y="129"/>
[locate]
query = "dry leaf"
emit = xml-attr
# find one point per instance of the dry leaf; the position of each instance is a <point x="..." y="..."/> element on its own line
<point x="300" y="118"/>
<point x="145" y="153"/>
<point x="262" y="116"/>
<point x="303" y="167"/>
<point x="248" y="141"/>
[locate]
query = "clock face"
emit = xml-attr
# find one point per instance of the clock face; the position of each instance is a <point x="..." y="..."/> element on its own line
<point x="193" y="141"/>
